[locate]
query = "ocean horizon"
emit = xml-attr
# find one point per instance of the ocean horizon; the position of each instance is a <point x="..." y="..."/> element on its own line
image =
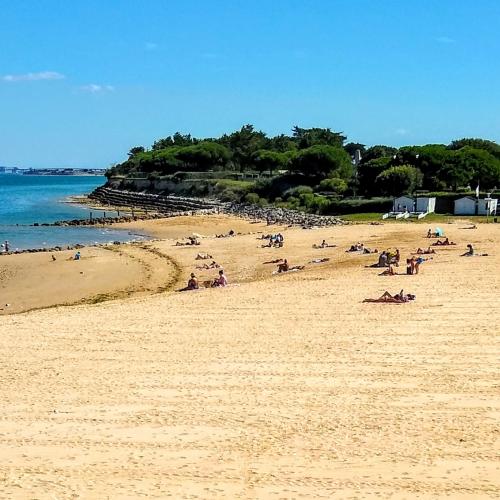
<point x="29" y="199"/>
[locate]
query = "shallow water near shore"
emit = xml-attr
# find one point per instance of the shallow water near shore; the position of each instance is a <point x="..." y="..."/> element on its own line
<point x="27" y="199"/>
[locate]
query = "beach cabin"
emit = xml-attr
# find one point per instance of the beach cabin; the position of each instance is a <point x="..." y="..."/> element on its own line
<point x="426" y="205"/>
<point x="482" y="208"/>
<point x="403" y="204"/>
<point x="465" y="206"/>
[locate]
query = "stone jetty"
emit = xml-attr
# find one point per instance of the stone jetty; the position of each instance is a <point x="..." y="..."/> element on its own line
<point x="170" y="206"/>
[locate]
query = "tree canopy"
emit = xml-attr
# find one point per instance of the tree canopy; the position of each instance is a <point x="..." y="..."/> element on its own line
<point x="321" y="153"/>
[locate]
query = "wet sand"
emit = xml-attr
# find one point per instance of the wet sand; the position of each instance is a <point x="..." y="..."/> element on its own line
<point x="279" y="386"/>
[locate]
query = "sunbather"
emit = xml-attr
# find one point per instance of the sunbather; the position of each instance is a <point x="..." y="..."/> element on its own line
<point x="203" y="256"/>
<point x="388" y="272"/>
<point x="445" y="242"/>
<point x="421" y="251"/>
<point x="387" y="298"/>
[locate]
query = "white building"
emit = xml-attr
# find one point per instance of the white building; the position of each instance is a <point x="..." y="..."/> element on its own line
<point x="426" y="205"/>
<point x="403" y="204"/>
<point x="491" y="209"/>
<point x="465" y="206"/>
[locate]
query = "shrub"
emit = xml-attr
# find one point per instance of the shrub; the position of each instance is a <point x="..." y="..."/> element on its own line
<point x="298" y="191"/>
<point x="252" y="198"/>
<point x="333" y="184"/>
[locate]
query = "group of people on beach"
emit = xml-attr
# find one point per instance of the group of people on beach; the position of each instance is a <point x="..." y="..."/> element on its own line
<point x="387" y="259"/>
<point x="193" y="283"/>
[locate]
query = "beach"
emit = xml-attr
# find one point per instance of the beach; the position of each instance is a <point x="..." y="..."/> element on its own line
<point x="277" y="386"/>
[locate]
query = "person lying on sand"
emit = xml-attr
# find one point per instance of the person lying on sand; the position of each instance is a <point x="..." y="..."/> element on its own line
<point x="398" y="298"/>
<point x="324" y="244"/>
<point x="421" y="251"/>
<point x="203" y="256"/>
<point x="212" y="265"/>
<point x="221" y="280"/>
<point x="388" y="272"/>
<point x="445" y="242"/>
<point x="470" y="227"/>
<point x="369" y="250"/>
<point x="319" y="261"/>
<point x="275" y="261"/>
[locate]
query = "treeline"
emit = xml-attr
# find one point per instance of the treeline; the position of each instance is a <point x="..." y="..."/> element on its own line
<point x="322" y="159"/>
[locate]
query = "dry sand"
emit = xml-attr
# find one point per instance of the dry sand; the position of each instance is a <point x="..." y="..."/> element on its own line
<point x="276" y="387"/>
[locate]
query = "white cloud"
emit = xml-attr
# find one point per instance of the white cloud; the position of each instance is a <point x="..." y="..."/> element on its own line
<point x="445" y="39"/>
<point x="151" y="46"/>
<point x="31" y="77"/>
<point x="93" y="88"/>
<point x="401" y="131"/>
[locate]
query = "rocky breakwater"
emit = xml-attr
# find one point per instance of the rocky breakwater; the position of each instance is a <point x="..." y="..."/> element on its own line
<point x="274" y="215"/>
<point x="161" y="204"/>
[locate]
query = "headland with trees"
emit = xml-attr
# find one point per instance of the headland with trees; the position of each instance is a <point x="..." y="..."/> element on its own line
<point x="313" y="169"/>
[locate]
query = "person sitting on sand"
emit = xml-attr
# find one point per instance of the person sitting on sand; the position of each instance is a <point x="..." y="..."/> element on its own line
<point x="221" y="280"/>
<point x="53" y="258"/>
<point x="358" y="247"/>
<point x="388" y="272"/>
<point x="470" y="251"/>
<point x="77" y="255"/>
<point x="192" y="283"/>
<point x="394" y="259"/>
<point x="283" y="267"/>
<point x="429" y="233"/>
<point x="383" y="259"/>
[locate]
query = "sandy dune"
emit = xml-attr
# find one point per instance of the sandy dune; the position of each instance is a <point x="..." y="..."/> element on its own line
<point x="277" y="387"/>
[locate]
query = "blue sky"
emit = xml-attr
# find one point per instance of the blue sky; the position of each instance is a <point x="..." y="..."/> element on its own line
<point x="83" y="81"/>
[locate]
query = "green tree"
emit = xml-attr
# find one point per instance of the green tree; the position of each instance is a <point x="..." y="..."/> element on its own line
<point x="203" y="156"/>
<point x="333" y="184"/>
<point x="352" y="147"/>
<point x="490" y="146"/>
<point x="269" y="160"/>
<point x="135" y="151"/>
<point x="323" y="161"/>
<point x="402" y="179"/>
<point x="307" y="137"/>
<point x="378" y="151"/>
<point x="243" y="144"/>
<point x="368" y="172"/>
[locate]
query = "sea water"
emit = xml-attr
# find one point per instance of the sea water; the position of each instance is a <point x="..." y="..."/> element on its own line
<point x="27" y="199"/>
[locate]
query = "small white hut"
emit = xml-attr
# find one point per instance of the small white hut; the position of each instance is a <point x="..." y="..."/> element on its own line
<point x="403" y="204"/>
<point x="487" y="207"/>
<point x="426" y="205"/>
<point x="465" y="206"/>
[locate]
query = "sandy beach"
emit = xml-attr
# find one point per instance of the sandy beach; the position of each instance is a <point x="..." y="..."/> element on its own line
<point x="278" y="386"/>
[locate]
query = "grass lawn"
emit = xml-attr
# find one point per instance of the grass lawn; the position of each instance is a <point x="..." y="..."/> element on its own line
<point x="431" y="218"/>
